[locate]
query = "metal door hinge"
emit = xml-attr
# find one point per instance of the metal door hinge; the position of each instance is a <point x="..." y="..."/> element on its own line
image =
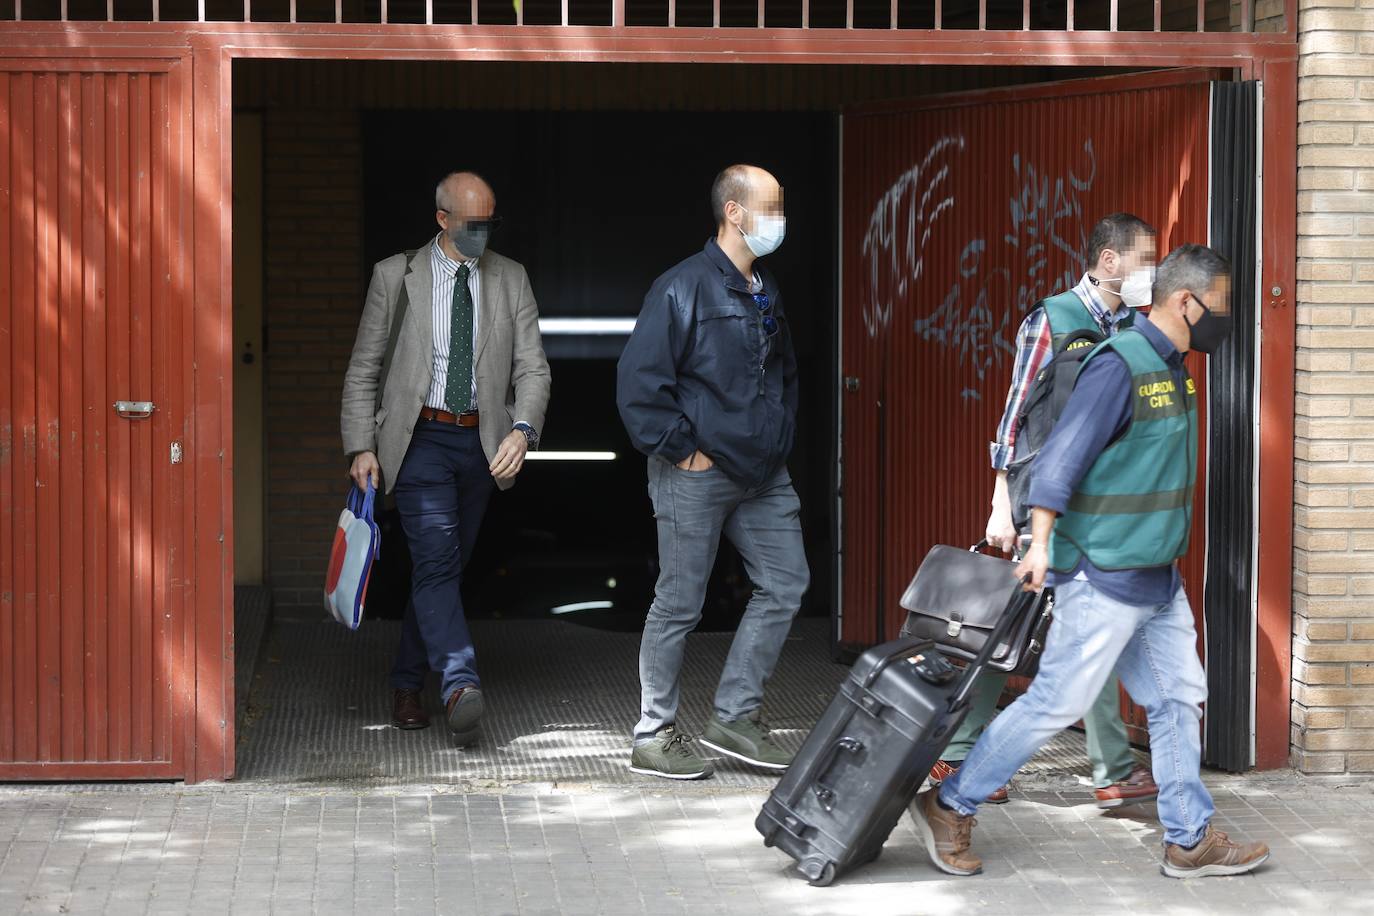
<point x="851" y="383"/>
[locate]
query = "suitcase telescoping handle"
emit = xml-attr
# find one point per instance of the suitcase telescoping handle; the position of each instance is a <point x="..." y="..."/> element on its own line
<point x="1019" y="598"/>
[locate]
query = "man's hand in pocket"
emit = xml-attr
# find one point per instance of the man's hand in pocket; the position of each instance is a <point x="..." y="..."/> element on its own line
<point x="697" y="461"/>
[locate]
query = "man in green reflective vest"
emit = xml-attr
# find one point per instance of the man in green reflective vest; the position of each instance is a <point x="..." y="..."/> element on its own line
<point x="1113" y="506"/>
<point x="1121" y="259"/>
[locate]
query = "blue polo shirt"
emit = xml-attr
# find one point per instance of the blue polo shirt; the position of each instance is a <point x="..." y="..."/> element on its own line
<point x="1096" y="415"/>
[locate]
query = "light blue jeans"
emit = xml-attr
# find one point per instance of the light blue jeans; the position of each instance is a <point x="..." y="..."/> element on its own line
<point x="693" y="510"/>
<point x="1153" y="649"/>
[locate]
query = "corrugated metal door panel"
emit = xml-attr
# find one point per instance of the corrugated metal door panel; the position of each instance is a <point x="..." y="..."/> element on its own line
<point x="864" y="382"/>
<point x="969" y="211"/>
<point x="96" y="95"/>
<point x="91" y="646"/>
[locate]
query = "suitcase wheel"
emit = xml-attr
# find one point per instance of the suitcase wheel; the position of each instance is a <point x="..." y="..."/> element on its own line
<point x="823" y="878"/>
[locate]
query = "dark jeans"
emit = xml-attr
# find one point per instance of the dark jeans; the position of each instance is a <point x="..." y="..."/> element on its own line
<point x="441" y="492"/>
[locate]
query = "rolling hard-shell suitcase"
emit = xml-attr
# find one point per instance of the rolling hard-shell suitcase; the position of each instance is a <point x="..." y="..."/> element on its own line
<point x="868" y="755"/>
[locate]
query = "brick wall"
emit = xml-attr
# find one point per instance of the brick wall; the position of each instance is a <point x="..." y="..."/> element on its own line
<point x="1333" y="644"/>
<point x="312" y="186"/>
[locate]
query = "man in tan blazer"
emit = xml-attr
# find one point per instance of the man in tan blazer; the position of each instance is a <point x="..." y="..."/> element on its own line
<point x="462" y="397"/>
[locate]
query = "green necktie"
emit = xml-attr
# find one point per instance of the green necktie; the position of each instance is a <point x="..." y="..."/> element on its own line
<point x="458" y="390"/>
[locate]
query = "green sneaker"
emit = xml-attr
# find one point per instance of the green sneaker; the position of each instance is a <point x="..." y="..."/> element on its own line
<point x="746" y="739"/>
<point x="668" y="755"/>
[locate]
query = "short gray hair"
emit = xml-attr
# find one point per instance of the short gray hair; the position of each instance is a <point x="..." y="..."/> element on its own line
<point x="441" y="201"/>
<point x="1191" y="267"/>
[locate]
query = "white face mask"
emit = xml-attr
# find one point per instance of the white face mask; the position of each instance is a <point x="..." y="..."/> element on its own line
<point x="1138" y="288"/>
<point x="769" y="234"/>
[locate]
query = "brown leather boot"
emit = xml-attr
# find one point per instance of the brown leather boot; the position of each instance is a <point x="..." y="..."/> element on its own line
<point x="947" y="834"/>
<point x="408" y="711"/>
<point x="1215" y="854"/>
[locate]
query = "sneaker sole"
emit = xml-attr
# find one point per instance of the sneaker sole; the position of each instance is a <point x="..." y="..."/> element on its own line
<point x="738" y="756"/>
<point x="647" y="772"/>
<point x="928" y="838"/>
<point x="1123" y="802"/>
<point x="1211" y="871"/>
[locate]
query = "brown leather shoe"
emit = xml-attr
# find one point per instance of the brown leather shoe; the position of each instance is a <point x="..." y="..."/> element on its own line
<point x="464" y="713"/>
<point x="1134" y="789"/>
<point x="407" y="710"/>
<point x="1215" y="854"/>
<point x="947" y="835"/>
<point x="942" y="771"/>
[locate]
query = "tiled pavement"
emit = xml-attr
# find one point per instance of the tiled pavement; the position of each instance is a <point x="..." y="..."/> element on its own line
<point x="335" y="813"/>
<point x="659" y="849"/>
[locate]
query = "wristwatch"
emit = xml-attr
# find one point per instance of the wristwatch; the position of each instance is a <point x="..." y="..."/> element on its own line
<point x="531" y="437"/>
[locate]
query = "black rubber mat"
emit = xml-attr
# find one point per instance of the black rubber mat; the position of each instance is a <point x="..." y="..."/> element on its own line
<point x="252" y="614"/>
<point x="561" y="701"/>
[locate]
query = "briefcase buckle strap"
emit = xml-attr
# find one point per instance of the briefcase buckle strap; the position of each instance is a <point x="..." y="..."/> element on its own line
<point x="956" y="626"/>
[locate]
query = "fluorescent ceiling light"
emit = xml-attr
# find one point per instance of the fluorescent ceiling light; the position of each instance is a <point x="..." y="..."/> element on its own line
<point x="586" y="325"/>
<point x="570" y="456"/>
<point x="583" y="606"/>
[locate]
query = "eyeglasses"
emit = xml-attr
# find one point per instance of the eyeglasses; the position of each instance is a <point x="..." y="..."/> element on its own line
<point x="490" y="224"/>
<point x="770" y="324"/>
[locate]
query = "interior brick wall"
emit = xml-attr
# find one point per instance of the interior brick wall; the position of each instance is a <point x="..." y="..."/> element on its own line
<point x="312" y="186"/>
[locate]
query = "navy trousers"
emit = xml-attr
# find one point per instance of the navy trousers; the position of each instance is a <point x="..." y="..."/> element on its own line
<point x="441" y="492"/>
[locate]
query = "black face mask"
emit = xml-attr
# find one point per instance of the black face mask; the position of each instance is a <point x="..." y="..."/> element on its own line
<point x="1209" y="332"/>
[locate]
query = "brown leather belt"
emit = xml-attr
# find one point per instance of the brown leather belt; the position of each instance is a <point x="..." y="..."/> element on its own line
<point x="466" y="420"/>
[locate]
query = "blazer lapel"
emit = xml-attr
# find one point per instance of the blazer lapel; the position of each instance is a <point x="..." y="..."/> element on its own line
<point x="420" y="289"/>
<point x="491" y="287"/>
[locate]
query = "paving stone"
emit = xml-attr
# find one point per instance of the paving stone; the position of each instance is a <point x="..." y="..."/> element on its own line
<point x="548" y="831"/>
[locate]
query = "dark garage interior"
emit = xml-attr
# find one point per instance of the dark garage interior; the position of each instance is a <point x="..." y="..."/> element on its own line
<point x="595" y="205"/>
<point x="602" y="174"/>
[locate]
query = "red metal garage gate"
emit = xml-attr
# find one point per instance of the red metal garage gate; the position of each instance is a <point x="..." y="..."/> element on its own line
<point x="116" y="625"/>
<point x="960" y="213"/>
<point x="94" y="623"/>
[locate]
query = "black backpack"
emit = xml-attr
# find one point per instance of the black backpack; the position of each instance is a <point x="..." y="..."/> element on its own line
<point x="1044" y="403"/>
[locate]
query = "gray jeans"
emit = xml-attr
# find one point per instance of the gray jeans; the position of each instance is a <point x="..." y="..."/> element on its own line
<point x="693" y="509"/>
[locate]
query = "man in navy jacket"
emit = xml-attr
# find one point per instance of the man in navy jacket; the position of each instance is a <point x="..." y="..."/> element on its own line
<point x="707" y="388"/>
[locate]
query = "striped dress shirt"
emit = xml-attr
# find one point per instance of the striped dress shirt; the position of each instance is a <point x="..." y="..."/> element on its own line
<point x="445" y="275"/>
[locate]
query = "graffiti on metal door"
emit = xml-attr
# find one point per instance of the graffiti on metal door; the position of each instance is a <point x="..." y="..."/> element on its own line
<point x="998" y="281"/>
<point x="900" y="228"/>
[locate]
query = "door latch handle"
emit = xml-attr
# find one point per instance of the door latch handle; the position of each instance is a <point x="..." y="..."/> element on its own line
<point x="134" y="410"/>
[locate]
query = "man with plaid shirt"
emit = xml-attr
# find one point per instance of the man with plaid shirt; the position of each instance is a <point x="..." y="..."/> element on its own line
<point x="1120" y="245"/>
